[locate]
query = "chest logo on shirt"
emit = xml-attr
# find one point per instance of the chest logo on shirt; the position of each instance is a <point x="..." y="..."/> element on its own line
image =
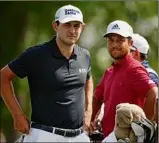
<point x="82" y="70"/>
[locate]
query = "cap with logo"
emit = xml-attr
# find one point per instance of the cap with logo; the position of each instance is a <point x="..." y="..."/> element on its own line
<point x="140" y="43"/>
<point x="68" y="13"/>
<point x="119" y="27"/>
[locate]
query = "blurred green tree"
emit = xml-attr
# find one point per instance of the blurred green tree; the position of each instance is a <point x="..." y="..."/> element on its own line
<point x="24" y="24"/>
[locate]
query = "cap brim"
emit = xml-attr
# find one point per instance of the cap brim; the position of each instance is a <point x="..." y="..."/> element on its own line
<point x="68" y="19"/>
<point x="133" y="48"/>
<point x="119" y="33"/>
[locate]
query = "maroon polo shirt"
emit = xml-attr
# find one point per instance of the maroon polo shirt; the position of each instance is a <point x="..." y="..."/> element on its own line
<point x="125" y="81"/>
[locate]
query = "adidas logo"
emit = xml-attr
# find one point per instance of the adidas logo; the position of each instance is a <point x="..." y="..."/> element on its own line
<point x="115" y="26"/>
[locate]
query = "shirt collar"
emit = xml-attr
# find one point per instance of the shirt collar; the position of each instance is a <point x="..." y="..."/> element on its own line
<point x="145" y="63"/>
<point x="53" y="47"/>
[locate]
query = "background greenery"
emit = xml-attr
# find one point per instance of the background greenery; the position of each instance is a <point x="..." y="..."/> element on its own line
<point x="23" y="24"/>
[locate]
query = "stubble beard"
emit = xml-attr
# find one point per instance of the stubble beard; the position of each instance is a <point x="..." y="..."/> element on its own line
<point x="117" y="57"/>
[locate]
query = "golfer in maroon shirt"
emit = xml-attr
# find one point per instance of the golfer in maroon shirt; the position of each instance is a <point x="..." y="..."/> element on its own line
<point x="125" y="81"/>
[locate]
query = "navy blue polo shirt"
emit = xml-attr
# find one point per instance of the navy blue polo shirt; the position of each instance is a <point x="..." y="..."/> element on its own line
<point x="57" y="85"/>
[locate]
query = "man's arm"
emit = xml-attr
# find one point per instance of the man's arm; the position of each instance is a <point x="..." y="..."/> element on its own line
<point x="150" y="103"/>
<point x="88" y="101"/>
<point x="8" y="95"/>
<point x="96" y="107"/>
<point x="95" y="112"/>
<point x="97" y="103"/>
<point x="156" y="115"/>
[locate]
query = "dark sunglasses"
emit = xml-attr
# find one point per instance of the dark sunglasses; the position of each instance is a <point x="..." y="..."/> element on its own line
<point x="132" y="50"/>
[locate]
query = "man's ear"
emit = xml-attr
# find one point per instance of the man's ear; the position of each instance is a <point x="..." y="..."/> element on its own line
<point x="54" y="26"/>
<point x="137" y="53"/>
<point x="130" y="42"/>
<point x="83" y="26"/>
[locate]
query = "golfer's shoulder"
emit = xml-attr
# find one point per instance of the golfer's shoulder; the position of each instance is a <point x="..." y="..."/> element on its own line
<point x="36" y="49"/>
<point x="81" y="51"/>
<point x="134" y="64"/>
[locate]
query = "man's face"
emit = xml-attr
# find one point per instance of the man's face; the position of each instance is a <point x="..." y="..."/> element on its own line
<point x="135" y="53"/>
<point x="69" y="32"/>
<point x="118" y="46"/>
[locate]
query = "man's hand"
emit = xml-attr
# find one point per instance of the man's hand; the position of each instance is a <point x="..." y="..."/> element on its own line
<point x="95" y="125"/>
<point x="21" y="124"/>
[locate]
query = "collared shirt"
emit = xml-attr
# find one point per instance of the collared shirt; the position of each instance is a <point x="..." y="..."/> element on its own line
<point x="124" y="82"/>
<point x="57" y="85"/>
<point x="153" y="75"/>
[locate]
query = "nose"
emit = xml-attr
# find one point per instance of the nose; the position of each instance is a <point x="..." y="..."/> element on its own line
<point x="114" y="44"/>
<point x="72" y="29"/>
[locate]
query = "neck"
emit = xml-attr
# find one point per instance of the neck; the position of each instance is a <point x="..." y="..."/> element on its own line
<point x="65" y="49"/>
<point x="140" y="60"/>
<point x="119" y="59"/>
<point x="116" y="61"/>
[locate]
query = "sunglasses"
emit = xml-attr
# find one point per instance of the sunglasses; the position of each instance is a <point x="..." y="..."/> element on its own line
<point x="134" y="49"/>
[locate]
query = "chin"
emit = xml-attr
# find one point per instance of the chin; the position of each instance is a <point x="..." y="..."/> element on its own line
<point x="72" y="42"/>
<point x="116" y="57"/>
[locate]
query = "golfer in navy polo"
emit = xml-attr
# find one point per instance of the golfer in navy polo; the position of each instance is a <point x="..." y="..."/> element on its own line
<point x="60" y="82"/>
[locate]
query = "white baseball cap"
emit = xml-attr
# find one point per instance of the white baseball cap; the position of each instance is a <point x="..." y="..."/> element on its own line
<point x="68" y="13"/>
<point x="119" y="27"/>
<point x="140" y="43"/>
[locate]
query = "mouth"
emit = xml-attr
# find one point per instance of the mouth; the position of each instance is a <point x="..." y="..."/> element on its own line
<point x="115" y="51"/>
<point x="71" y="37"/>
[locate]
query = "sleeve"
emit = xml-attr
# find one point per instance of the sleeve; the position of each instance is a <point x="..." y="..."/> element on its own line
<point x="89" y="73"/>
<point x="141" y="81"/>
<point x="20" y="65"/>
<point x="99" y="90"/>
<point x="154" y="77"/>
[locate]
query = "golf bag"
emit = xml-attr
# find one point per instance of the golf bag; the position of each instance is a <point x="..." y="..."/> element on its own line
<point x="145" y="131"/>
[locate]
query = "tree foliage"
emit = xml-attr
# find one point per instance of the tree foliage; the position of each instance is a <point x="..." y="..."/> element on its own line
<point x="27" y="23"/>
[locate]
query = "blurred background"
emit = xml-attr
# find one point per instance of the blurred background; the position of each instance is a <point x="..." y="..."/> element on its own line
<point x="24" y="24"/>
